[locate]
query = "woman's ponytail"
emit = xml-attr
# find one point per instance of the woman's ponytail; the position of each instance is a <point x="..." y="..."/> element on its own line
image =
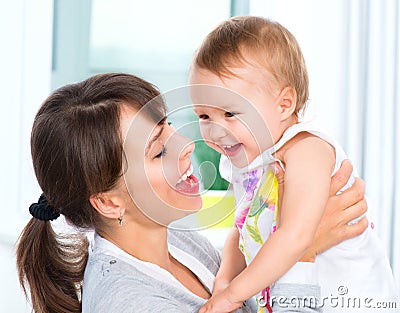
<point x="53" y="266"/>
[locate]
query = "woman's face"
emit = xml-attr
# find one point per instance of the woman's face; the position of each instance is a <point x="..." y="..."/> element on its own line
<point x="159" y="173"/>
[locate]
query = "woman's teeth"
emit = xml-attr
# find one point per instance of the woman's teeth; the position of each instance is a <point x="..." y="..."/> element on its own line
<point x="187" y="174"/>
<point x="188" y="183"/>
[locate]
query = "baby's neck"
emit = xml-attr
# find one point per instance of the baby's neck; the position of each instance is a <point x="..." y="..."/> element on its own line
<point x="289" y="122"/>
<point x="277" y="134"/>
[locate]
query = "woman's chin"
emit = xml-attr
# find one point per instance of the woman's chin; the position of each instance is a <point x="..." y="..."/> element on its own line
<point x="184" y="208"/>
<point x="189" y="204"/>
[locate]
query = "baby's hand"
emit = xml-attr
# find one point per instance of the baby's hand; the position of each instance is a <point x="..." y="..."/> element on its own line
<point x="220" y="303"/>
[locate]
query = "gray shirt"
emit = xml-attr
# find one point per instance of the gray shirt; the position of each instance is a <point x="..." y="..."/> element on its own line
<point x="112" y="285"/>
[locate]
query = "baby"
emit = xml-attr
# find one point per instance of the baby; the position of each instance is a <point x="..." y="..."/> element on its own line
<point x="254" y="122"/>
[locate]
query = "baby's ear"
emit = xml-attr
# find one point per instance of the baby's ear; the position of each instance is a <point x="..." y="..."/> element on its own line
<point x="287" y="103"/>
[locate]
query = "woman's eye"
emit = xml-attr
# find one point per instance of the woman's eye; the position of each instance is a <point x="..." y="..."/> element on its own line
<point x="162" y="153"/>
<point x="230" y="114"/>
<point x="203" y="117"/>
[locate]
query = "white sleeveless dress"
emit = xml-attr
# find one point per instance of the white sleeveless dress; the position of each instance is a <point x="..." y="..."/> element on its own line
<point x="354" y="274"/>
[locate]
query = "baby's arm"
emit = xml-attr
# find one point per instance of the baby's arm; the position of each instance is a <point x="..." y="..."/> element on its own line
<point x="232" y="263"/>
<point x="309" y="162"/>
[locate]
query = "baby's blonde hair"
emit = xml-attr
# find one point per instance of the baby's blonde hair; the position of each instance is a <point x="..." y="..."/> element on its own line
<point x="267" y="43"/>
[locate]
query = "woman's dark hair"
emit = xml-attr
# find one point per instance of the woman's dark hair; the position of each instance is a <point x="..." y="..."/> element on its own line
<point x="77" y="151"/>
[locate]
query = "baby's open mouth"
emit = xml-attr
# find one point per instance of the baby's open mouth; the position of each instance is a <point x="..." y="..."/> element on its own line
<point x="231" y="150"/>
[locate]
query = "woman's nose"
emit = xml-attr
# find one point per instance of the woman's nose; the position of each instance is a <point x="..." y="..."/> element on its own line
<point x="187" y="148"/>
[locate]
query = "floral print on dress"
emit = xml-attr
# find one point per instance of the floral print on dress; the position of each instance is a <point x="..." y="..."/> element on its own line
<point x="265" y="198"/>
<point x="258" y="217"/>
<point x="249" y="182"/>
<point x="241" y="217"/>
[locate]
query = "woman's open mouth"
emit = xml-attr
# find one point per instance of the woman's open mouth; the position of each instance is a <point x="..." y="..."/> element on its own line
<point x="188" y="183"/>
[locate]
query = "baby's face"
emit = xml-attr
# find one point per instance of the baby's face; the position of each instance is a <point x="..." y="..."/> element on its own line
<point x="238" y="116"/>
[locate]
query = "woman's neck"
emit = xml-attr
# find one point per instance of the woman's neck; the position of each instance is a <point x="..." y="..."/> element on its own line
<point x="149" y="244"/>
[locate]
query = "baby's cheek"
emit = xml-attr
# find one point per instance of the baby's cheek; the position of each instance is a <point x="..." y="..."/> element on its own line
<point x="205" y="133"/>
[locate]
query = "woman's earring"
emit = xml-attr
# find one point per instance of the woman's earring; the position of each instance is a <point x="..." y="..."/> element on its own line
<point x="120" y="220"/>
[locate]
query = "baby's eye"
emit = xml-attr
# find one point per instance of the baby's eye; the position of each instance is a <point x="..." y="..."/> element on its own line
<point x="162" y="153"/>
<point x="230" y="114"/>
<point x="203" y="117"/>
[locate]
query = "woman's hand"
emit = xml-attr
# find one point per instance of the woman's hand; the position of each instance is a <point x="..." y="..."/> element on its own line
<point x="340" y="210"/>
<point x="220" y="303"/>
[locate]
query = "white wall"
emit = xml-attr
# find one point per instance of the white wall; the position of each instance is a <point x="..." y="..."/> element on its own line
<point x="25" y="62"/>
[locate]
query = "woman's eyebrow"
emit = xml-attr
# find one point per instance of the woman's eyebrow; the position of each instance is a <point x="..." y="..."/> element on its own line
<point x="152" y="140"/>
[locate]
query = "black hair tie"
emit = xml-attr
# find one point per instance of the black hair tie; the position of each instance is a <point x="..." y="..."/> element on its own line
<point x="43" y="211"/>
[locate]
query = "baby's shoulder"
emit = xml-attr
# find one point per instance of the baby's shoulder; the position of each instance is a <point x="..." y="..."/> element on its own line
<point x="304" y="143"/>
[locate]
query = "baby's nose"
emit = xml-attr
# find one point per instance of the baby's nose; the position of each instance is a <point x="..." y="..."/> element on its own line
<point x="217" y="131"/>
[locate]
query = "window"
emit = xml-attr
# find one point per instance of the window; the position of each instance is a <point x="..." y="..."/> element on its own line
<point x="152" y="39"/>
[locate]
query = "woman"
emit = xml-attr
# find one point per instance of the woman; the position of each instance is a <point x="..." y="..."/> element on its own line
<point x="135" y="264"/>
